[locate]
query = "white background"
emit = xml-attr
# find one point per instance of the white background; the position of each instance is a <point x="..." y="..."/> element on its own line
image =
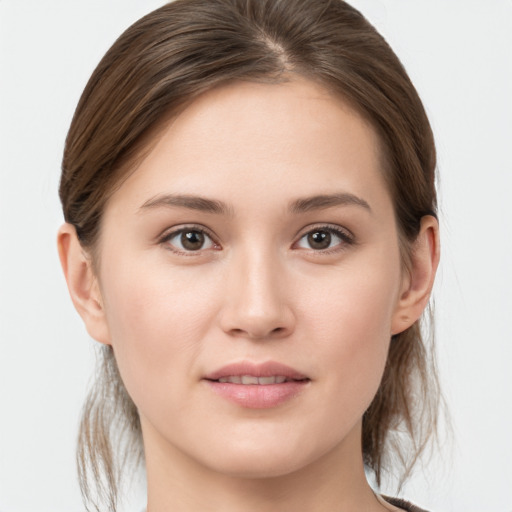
<point x="458" y="53"/>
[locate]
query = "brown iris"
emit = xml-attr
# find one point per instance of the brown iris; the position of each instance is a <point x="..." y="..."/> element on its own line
<point x="319" y="239"/>
<point x="192" y="240"/>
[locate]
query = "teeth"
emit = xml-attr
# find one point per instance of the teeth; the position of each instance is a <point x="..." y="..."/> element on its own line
<point x="235" y="379"/>
<point x="251" y="379"/>
<point x="266" y="380"/>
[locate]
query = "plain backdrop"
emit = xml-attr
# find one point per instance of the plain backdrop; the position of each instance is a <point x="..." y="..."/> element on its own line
<point x="458" y="54"/>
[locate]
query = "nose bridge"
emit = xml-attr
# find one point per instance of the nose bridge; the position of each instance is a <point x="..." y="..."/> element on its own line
<point x="256" y="305"/>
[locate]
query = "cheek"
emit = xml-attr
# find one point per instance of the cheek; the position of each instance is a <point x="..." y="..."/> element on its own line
<point x="155" y="317"/>
<point x="356" y="303"/>
<point x="350" y="322"/>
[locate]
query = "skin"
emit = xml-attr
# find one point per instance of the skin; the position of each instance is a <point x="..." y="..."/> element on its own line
<point x="256" y="291"/>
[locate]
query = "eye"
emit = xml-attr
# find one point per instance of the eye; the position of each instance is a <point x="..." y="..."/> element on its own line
<point x="189" y="240"/>
<point x="324" y="238"/>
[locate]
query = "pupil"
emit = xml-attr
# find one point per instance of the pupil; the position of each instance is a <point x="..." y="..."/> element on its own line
<point x="319" y="239"/>
<point x="192" y="240"/>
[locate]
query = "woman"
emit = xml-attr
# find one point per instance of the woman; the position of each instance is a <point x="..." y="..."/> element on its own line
<point x="251" y="233"/>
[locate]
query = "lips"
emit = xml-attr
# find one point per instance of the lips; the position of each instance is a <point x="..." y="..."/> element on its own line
<point x="251" y="379"/>
<point x="257" y="386"/>
<point x="255" y="370"/>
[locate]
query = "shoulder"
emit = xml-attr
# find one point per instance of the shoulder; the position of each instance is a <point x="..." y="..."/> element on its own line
<point x="403" y="504"/>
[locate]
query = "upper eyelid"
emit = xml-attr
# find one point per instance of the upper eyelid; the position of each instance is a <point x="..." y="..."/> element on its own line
<point x="168" y="233"/>
<point x="345" y="236"/>
<point x="335" y="228"/>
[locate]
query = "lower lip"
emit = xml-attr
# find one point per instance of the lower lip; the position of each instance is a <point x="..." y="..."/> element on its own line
<point x="258" y="396"/>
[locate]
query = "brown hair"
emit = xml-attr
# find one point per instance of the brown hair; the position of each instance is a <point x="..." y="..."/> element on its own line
<point x="163" y="62"/>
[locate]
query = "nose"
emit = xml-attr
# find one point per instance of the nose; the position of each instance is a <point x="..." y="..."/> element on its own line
<point x="256" y="304"/>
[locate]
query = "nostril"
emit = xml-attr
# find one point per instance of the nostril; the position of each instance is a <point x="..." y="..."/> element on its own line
<point x="257" y="333"/>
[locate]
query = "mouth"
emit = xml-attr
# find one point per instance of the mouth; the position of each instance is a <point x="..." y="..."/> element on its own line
<point x="253" y="380"/>
<point x="257" y="386"/>
<point x="249" y="373"/>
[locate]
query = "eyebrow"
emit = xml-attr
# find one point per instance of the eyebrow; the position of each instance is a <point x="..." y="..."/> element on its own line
<point x="301" y="205"/>
<point x="324" y="201"/>
<point x="190" y="202"/>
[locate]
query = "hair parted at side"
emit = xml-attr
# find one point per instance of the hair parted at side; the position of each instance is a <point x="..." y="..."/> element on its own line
<point x="158" y="66"/>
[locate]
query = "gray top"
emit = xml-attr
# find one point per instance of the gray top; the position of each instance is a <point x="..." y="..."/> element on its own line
<point x="396" y="502"/>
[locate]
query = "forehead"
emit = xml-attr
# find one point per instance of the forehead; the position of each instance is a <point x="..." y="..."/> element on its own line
<point x="268" y="139"/>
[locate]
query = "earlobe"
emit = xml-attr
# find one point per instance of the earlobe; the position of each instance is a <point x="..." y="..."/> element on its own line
<point x="418" y="285"/>
<point x="82" y="283"/>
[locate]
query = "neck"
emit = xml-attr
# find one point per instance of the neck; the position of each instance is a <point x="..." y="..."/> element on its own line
<point x="335" y="482"/>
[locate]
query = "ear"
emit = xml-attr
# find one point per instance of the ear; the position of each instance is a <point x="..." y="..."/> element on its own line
<point x="82" y="283"/>
<point x="418" y="282"/>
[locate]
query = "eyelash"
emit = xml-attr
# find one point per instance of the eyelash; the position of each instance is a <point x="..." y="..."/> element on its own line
<point x="167" y="237"/>
<point x="346" y="239"/>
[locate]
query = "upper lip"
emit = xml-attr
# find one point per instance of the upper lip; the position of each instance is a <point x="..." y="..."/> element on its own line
<point x="266" y="369"/>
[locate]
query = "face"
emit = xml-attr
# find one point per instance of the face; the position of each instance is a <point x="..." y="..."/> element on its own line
<point x="250" y="279"/>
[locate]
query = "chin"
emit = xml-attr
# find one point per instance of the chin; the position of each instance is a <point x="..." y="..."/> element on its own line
<point x="256" y="460"/>
<point x="260" y="467"/>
